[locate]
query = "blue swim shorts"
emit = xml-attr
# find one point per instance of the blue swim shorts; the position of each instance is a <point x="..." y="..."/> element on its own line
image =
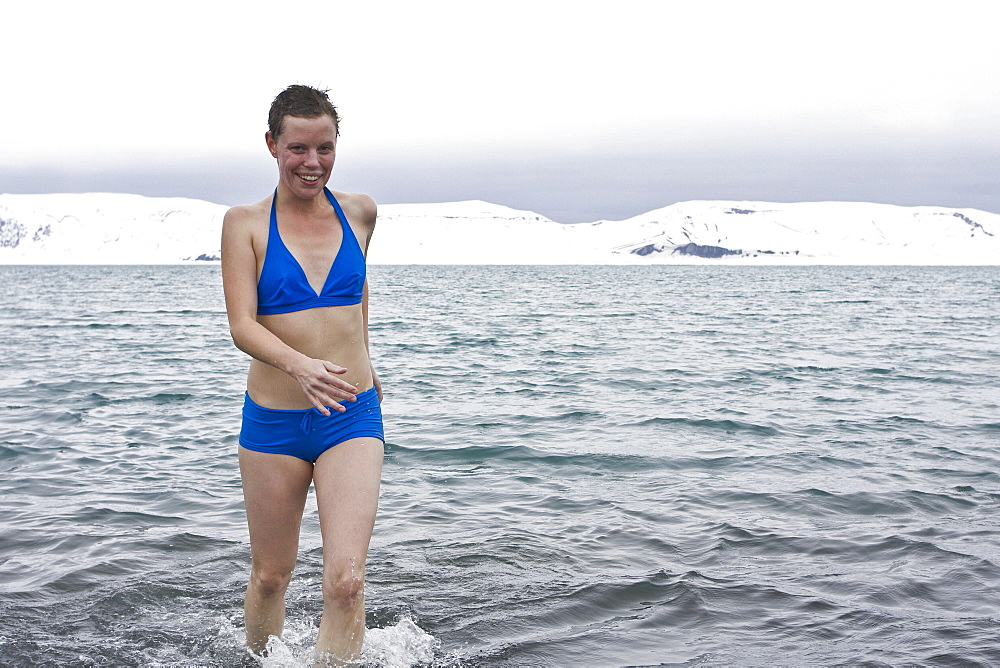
<point x="307" y="434"/>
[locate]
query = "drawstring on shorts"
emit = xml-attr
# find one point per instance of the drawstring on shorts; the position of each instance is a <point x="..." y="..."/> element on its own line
<point x="307" y="418"/>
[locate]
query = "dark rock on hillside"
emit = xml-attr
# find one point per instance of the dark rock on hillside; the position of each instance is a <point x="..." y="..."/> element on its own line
<point x="973" y="224"/>
<point x="11" y="233"/>
<point x="705" y="251"/>
<point x="648" y="249"/>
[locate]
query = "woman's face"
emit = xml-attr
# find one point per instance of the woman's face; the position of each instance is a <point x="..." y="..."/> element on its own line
<point x="305" y="151"/>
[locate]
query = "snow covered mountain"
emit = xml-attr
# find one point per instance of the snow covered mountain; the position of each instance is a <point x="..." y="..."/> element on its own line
<point x="98" y="228"/>
<point x="102" y="228"/>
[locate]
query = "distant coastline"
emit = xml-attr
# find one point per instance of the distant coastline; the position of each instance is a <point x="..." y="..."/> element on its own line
<point x="102" y="228"/>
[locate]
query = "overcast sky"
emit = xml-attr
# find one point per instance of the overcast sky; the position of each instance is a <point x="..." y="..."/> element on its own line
<point x="577" y="110"/>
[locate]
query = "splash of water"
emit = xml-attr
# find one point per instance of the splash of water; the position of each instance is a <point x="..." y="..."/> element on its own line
<point x="401" y="645"/>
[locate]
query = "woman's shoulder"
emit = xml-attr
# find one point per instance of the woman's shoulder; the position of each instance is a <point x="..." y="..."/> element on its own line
<point x="358" y="207"/>
<point x="243" y="215"/>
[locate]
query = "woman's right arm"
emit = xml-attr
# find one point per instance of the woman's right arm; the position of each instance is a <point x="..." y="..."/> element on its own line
<point x="318" y="378"/>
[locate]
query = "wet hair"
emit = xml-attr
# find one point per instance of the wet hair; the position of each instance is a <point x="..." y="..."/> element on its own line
<point x="302" y="102"/>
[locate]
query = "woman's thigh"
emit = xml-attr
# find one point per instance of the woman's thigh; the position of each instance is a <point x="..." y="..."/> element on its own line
<point x="347" y="479"/>
<point x="274" y="490"/>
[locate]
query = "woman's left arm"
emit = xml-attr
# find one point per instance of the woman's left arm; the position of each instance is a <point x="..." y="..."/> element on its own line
<point x="369" y="214"/>
<point x="364" y="312"/>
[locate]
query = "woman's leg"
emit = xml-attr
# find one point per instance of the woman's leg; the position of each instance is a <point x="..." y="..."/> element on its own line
<point x="274" y="490"/>
<point x="347" y="479"/>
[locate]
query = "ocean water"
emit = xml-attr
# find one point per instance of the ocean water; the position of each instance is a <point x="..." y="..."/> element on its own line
<point x="595" y="466"/>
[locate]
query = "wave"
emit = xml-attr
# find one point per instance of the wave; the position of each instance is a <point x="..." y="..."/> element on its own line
<point x="728" y="426"/>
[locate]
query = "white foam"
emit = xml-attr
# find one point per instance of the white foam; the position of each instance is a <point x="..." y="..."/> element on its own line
<point x="399" y="646"/>
<point x="403" y="644"/>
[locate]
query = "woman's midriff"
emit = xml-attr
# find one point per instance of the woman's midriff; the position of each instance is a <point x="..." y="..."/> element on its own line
<point x="332" y="333"/>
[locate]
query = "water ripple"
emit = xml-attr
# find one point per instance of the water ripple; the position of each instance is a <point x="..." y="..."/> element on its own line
<point x="608" y="466"/>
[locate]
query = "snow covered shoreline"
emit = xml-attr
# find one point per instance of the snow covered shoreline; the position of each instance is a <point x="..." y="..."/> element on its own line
<point x="101" y="228"/>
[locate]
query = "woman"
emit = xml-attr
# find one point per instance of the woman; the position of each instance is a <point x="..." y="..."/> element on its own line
<point x="293" y="270"/>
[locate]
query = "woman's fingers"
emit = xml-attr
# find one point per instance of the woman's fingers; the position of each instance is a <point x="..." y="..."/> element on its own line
<point x="341" y="389"/>
<point x="320" y="383"/>
<point x="325" y="391"/>
<point x="333" y="368"/>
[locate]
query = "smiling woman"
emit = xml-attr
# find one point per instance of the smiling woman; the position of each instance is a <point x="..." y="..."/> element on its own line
<point x="305" y="152"/>
<point x="293" y="270"/>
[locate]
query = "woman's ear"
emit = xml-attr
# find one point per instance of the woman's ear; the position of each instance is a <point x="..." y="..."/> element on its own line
<point x="272" y="145"/>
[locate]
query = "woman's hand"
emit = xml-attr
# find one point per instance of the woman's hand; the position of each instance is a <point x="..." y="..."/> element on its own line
<point x="320" y="384"/>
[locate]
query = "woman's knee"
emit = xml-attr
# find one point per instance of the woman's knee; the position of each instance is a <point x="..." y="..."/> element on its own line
<point x="270" y="582"/>
<point x="343" y="587"/>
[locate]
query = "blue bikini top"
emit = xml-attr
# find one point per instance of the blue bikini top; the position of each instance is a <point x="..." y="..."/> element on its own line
<point x="283" y="286"/>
